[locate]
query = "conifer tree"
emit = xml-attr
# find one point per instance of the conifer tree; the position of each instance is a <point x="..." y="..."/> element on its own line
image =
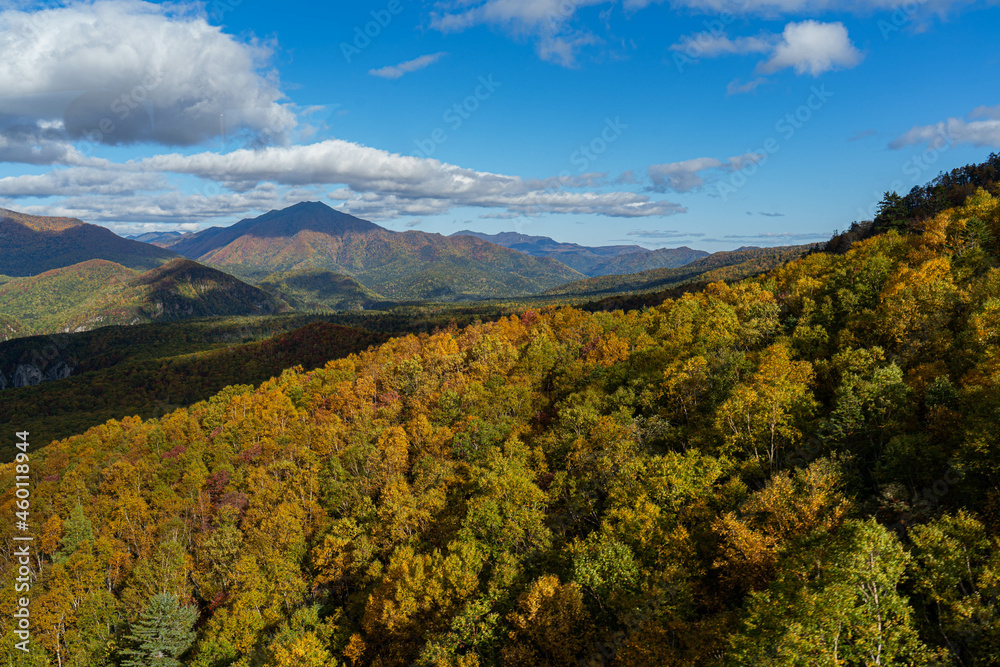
<point x="161" y="634"/>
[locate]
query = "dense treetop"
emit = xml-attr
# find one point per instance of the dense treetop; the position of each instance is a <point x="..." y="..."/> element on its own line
<point x="799" y="468"/>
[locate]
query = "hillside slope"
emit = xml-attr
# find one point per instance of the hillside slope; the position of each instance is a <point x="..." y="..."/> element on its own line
<point x="100" y="293"/>
<point x="801" y="464"/>
<point x="399" y="265"/>
<point x="592" y="260"/>
<point x="319" y="289"/>
<point x="30" y="245"/>
<point x="728" y="265"/>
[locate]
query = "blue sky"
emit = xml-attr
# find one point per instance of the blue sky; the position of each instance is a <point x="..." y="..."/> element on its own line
<point x="708" y="123"/>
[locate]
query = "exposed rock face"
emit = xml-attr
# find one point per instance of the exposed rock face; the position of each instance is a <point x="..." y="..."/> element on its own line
<point x="27" y="375"/>
<point x="28" y="362"/>
<point x="60" y="370"/>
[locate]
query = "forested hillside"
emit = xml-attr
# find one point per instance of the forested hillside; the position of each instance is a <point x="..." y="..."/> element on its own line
<point x="796" y="469"/>
<point x="320" y="289"/>
<point x="97" y="389"/>
<point x="99" y="293"/>
<point x="34" y="244"/>
<point x="727" y="265"/>
<point x="593" y="261"/>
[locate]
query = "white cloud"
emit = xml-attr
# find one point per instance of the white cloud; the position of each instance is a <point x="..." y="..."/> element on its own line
<point x="707" y="45"/>
<point x="80" y="181"/>
<point x="734" y="87"/>
<point x="661" y="234"/>
<point x="978" y="133"/>
<point x="687" y="175"/>
<point x="173" y="208"/>
<point x="986" y="112"/>
<point x="548" y="22"/>
<point x="39" y="144"/>
<point x="811" y="47"/>
<point x="397" y="71"/>
<point x="784" y="7"/>
<point x="153" y="72"/>
<point x="388" y="185"/>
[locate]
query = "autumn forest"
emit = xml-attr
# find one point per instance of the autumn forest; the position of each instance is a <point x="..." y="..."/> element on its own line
<point x="799" y="467"/>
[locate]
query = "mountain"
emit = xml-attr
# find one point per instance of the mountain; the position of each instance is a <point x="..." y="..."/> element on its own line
<point x="409" y="265"/>
<point x="319" y="289"/>
<point x="730" y="265"/>
<point x="796" y="469"/>
<point x="99" y="293"/>
<point x="592" y="260"/>
<point x="30" y="245"/>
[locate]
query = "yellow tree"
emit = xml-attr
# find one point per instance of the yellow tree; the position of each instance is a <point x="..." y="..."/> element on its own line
<point x="765" y="416"/>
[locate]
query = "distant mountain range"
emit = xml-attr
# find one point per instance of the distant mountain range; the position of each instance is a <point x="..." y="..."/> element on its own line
<point x="31" y="244"/>
<point x="160" y="239"/>
<point x="61" y="274"/>
<point x="98" y="293"/>
<point x="728" y="265"/>
<point x="410" y="265"/>
<point x="592" y="260"/>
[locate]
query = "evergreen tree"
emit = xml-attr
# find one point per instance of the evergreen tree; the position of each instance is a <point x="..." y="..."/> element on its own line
<point x="77" y="530"/>
<point x="161" y="634"/>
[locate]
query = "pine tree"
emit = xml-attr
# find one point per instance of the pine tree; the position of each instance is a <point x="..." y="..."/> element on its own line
<point x="161" y="634"/>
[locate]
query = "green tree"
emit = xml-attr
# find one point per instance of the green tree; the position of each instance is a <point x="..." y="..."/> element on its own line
<point x="76" y="530"/>
<point x="834" y="602"/>
<point x="162" y="633"/>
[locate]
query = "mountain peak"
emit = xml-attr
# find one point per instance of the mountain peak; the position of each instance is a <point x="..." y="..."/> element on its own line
<point x="307" y="216"/>
<point x="34" y="244"/>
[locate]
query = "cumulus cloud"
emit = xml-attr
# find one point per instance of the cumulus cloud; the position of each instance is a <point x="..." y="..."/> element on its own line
<point x="779" y="7"/>
<point x="386" y="184"/>
<point x="811" y="47"/>
<point x="688" y="175"/>
<point x="553" y="26"/>
<point x="977" y="133"/>
<point x="80" y="181"/>
<point x="398" y="71"/>
<point x="130" y="71"/>
<point x="173" y="208"/>
<point x="37" y="143"/>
